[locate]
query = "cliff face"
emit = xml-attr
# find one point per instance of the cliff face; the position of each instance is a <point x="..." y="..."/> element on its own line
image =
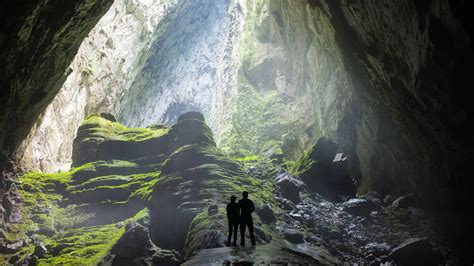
<point x="106" y="63"/>
<point x="409" y="77"/>
<point x="191" y="66"/>
<point x="380" y="78"/>
<point x="37" y="46"/>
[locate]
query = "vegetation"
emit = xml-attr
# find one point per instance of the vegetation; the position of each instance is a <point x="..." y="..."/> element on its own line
<point x="101" y="128"/>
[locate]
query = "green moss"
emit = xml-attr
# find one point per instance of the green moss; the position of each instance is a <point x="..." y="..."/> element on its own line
<point x="87" y="245"/>
<point x="101" y="128"/>
<point x="249" y="158"/>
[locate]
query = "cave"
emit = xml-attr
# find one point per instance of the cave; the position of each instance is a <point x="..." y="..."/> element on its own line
<point x="126" y="125"/>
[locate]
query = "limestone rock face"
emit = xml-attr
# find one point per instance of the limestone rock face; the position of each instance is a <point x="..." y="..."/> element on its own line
<point x="36" y="47"/>
<point x="325" y="171"/>
<point x="192" y="66"/>
<point x="105" y="64"/>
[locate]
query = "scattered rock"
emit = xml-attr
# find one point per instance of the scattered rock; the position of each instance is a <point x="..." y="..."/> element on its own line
<point x="11" y="248"/>
<point x="415" y="251"/>
<point x="331" y="231"/>
<point x="290" y="186"/>
<point x="403" y="202"/>
<point x="360" y="207"/>
<point x="377" y="249"/>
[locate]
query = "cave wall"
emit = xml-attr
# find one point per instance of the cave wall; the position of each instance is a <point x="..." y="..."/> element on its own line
<point x="106" y="63"/>
<point x="37" y="46"/>
<point x="385" y="79"/>
<point x="404" y="60"/>
<point x="192" y="66"/>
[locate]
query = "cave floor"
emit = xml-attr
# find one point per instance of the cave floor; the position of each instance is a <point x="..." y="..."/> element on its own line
<point x="260" y="254"/>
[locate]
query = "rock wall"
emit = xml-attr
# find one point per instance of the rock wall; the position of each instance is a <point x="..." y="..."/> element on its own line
<point x="192" y="67"/>
<point x="384" y="79"/>
<point x="103" y="68"/>
<point x="406" y="63"/>
<point x="37" y="46"/>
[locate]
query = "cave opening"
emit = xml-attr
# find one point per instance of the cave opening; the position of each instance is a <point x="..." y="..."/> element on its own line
<point x="127" y="124"/>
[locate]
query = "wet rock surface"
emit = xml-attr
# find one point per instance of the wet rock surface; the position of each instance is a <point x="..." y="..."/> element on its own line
<point x="261" y="254"/>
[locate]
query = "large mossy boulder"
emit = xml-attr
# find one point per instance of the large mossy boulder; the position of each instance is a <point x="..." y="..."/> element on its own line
<point x="102" y="138"/>
<point x="324" y="170"/>
<point x="136" y="248"/>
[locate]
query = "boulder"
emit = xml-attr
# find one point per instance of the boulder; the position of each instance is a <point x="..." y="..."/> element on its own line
<point x="415" y="251"/>
<point x="190" y="129"/>
<point x="266" y="214"/>
<point x="331" y="231"/>
<point x="293" y="236"/>
<point x="360" y="207"/>
<point x="10" y="248"/>
<point x="403" y="202"/>
<point x="372" y="196"/>
<point x="388" y="200"/>
<point x="325" y="171"/>
<point x="377" y="249"/>
<point x="290" y="186"/>
<point x="136" y="248"/>
<point x="109" y="117"/>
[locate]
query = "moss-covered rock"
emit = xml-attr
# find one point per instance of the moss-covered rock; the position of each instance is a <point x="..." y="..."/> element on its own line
<point x="325" y="171"/>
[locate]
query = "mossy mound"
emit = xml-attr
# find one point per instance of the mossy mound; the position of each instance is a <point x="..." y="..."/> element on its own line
<point x="99" y="138"/>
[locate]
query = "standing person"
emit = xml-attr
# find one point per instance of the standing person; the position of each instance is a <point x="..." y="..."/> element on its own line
<point x="246" y="208"/>
<point x="233" y="218"/>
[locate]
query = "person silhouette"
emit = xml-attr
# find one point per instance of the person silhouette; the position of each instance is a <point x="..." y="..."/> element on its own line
<point x="246" y="208"/>
<point x="233" y="218"/>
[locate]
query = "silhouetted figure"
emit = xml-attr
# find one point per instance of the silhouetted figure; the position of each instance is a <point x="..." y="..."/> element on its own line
<point x="246" y="208"/>
<point x="233" y="218"/>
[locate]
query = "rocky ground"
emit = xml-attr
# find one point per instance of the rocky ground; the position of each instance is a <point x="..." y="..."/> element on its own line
<point x="157" y="195"/>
